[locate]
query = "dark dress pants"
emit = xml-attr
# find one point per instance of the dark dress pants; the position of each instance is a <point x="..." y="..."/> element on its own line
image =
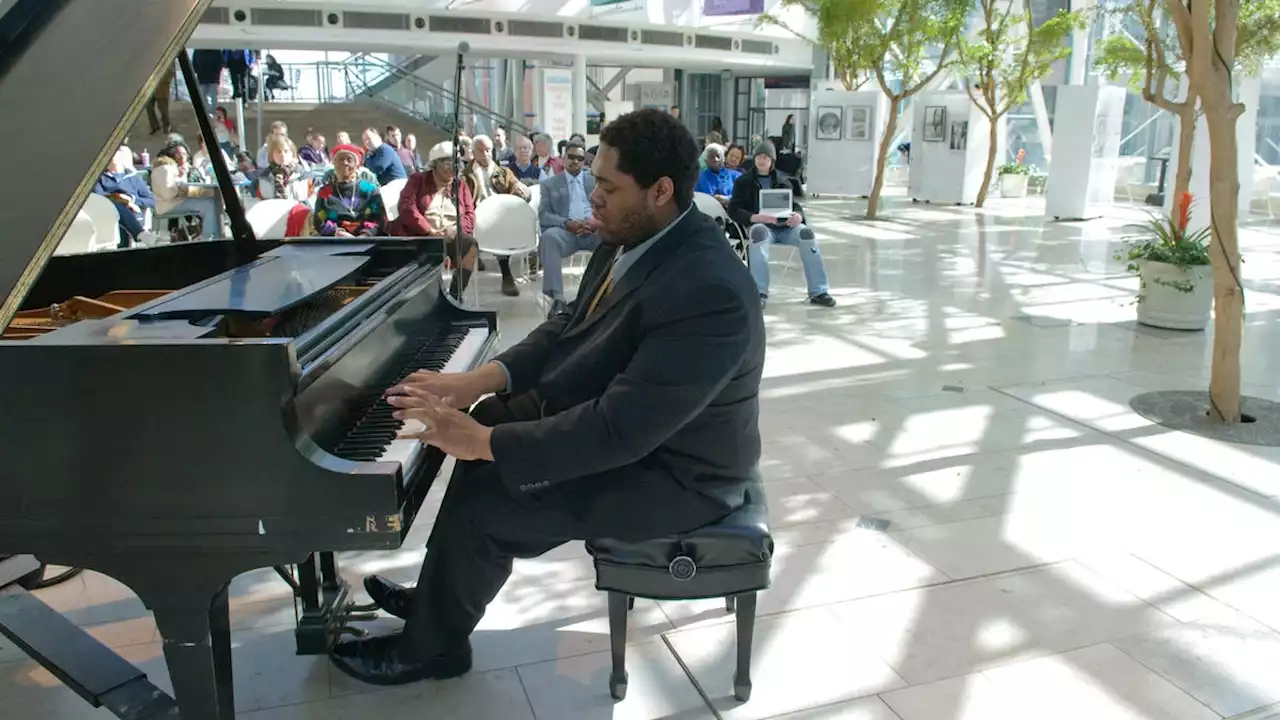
<point x="482" y="527"/>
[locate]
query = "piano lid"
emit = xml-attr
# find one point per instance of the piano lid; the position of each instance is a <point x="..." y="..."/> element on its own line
<point x="74" y="75"/>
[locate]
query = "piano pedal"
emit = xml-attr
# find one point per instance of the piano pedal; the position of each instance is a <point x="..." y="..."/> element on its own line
<point x="369" y="608"/>
<point x="353" y="631"/>
<point x="361" y="617"/>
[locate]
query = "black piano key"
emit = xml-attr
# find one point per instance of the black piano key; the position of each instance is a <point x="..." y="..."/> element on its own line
<point x="370" y="427"/>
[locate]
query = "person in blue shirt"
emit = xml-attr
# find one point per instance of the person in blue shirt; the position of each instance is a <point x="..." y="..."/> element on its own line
<point x="382" y="159"/>
<point x="522" y="164"/>
<point x="716" y="180"/>
<point x="130" y="193"/>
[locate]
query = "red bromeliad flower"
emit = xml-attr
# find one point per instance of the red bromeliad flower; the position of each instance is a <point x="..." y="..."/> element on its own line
<point x="1021" y="154"/>
<point x="1183" y="213"/>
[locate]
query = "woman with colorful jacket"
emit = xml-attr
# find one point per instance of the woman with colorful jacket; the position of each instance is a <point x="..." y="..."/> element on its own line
<point x="349" y="205"/>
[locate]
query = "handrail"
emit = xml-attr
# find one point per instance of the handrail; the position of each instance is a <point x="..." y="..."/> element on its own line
<point x="357" y="64"/>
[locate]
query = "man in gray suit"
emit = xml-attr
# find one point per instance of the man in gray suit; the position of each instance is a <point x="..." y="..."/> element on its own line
<point x="564" y="213"/>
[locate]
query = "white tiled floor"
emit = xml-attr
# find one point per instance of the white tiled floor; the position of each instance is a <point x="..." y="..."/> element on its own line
<point x="1049" y="553"/>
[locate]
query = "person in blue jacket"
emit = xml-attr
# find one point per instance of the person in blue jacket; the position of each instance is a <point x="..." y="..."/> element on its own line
<point x="716" y="180"/>
<point x="129" y="192"/>
<point x="382" y="159"/>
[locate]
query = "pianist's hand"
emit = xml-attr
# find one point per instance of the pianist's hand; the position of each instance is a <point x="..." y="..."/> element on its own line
<point x="453" y="431"/>
<point x="459" y="390"/>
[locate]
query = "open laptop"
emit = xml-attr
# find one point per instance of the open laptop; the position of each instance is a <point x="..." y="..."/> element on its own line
<point x="776" y="202"/>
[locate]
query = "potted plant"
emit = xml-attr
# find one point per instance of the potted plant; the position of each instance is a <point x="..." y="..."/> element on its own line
<point x="1172" y="263"/>
<point x="1014" y="176"/>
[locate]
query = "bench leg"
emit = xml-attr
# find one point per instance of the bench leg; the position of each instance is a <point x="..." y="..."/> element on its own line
<point x="746" y="622"/>
<point x="618" y="604"/>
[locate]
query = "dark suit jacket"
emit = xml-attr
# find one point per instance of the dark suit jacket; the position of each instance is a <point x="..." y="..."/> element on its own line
<point x="662" y="379"/>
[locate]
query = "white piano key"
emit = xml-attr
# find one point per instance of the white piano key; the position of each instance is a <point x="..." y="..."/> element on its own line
<point x="408" y="451"/>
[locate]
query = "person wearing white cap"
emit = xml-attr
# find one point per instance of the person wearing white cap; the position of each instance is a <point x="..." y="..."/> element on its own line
<point x="427" y="209"/>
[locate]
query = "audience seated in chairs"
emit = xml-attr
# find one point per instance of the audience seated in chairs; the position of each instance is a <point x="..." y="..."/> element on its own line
<point x="130" y="194"/>
<point x="349" y="205"/>
<point x="734" y="156"/>
<point x="315" y="152"/>
<point x="172" y="180"/>
<point x="715" y="179"/>
<point x="522" y="163"/>
<point x="395" y="139"/>
<point x="565" y="218"/>
<point x="547" y="163"/>
<point x="765" y="230"/>
<point x="382" y="159"/>
<point x="485" y="178"/>
<point x="284" y="177"/>
<point x="204" y="161"/>
<point x="427" y="209"/>
<point x="278" y="129"/>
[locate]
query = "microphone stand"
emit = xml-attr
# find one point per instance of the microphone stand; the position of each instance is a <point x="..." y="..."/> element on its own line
<point x="456" y="286"/>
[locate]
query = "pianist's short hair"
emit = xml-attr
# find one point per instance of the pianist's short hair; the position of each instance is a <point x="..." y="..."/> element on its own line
<point x="652" y="145"/>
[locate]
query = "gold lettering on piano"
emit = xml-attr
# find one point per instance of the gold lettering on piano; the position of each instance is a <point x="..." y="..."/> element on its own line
<point x="393" y="523"/>
<point x="371" y="523"/>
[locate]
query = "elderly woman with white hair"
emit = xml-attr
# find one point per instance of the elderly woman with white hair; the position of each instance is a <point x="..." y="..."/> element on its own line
<point x="427" y="209"/>
<point x="716" y="180"/>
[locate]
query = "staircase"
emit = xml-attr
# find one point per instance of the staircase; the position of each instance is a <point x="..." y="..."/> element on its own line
<point x="400" y="87"/>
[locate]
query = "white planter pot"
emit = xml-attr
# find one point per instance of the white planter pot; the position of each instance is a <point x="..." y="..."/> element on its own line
<point x="1174" y="298"/>
<point x="1013" y="186"/>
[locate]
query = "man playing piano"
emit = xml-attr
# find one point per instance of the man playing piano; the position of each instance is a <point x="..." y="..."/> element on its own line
<point x="629" y="416"/>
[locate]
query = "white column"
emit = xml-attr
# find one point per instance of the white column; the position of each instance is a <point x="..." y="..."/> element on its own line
<point x="580" y="94"/>
<point x="1078" y="69"/>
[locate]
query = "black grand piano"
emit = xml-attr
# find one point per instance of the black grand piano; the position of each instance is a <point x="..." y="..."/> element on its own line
<point x="228" y="417"/>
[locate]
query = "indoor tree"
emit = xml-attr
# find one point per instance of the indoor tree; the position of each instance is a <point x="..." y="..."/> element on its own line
<point x="1154" y="63"/>
<point x="842" y="36"/>
<point x="1148" y="65"/>
<point x="1005" y="57"/>
<point x="913" y="42"/>
<point x="1218" y="31"/>
<point x="903" y="44"/>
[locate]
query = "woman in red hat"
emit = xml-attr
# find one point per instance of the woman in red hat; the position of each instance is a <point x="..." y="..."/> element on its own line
<point x="349" y="205"/>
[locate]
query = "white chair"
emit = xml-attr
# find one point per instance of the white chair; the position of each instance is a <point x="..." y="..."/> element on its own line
<point x="79" y="237"/>
<point x="711" y="207"/>
<point x="391" y="197"/>
<point x="106" y="222"/>
<point x="535" y="197"/>
<point x="269" y="218"/>
<point x="506" y="226"/>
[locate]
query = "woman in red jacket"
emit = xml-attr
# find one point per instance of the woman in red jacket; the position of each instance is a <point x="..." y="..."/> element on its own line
<point x="427" y="210"/>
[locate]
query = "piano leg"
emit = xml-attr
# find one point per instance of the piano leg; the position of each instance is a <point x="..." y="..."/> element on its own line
<point x="197" y="650"/>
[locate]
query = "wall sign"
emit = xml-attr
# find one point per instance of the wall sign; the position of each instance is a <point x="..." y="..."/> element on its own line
<point x="731" y="7"/>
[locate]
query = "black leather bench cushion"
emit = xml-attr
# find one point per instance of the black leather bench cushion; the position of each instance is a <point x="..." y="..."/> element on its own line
<point x="728" y="557"/>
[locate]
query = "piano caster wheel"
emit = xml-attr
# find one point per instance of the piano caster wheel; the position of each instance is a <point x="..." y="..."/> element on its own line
<point x="353" y="631"/>
<point x="370" y="608"/>
<point x="362" y="617"/>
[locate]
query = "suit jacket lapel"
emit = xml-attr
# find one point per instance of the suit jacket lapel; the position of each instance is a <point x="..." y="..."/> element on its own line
<point x="635" y="276"/>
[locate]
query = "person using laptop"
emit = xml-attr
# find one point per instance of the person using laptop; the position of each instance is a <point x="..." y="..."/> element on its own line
<point x="768" y="204"/>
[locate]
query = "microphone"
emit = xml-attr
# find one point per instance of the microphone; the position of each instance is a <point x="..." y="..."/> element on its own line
<point x="464" y="47"/>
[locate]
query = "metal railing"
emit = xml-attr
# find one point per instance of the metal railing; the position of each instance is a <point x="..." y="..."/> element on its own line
<point x="368" y="76"/>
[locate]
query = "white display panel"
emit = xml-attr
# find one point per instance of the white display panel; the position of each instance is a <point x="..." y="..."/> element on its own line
<point x="844" y="137"/>
<point x="949" y="141"/>
<point x="1081" y="184"/>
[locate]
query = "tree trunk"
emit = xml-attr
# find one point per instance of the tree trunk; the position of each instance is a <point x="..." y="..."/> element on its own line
<point x="1186" y="145"/>
<point x="993" y="138"/>
<point x="1211" y="79"/>
<point x="890" y="129"/>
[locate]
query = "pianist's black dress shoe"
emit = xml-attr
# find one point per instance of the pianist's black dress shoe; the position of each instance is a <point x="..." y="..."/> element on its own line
<point x="384" y="660"/>
<point x="390" y="596"/>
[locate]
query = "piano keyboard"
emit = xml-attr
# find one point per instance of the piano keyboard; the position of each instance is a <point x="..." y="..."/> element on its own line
<point x="373" y="438"/>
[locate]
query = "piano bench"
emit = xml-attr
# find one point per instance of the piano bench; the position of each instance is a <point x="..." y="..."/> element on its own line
<point x="728" y="559"/>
